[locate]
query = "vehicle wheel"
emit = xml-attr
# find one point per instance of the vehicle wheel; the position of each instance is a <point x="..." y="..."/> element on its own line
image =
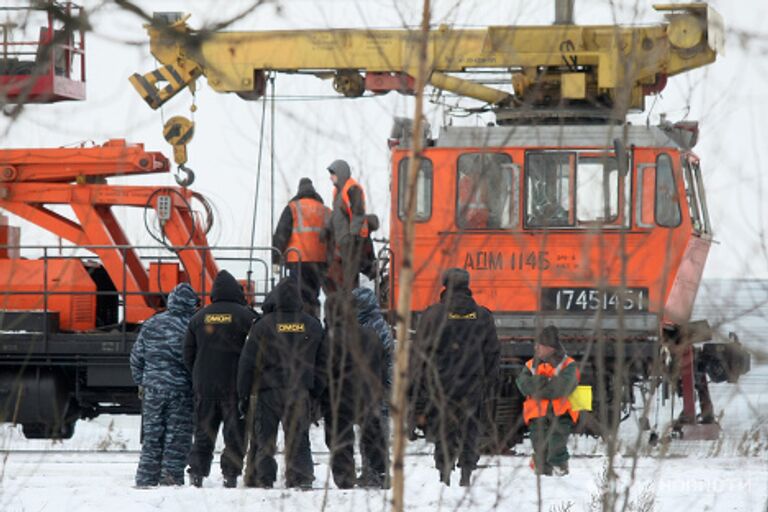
<point x="45" y="431"/>
<point x="67" y="430"/>
<point x="35" y="430"/>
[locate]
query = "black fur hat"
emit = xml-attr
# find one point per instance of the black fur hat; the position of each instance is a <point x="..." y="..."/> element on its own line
<point x="456" y="278"/>
<point x="550" y="337"/>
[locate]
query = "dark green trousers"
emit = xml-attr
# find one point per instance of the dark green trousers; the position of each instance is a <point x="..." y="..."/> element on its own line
<point x="549" y="436"/>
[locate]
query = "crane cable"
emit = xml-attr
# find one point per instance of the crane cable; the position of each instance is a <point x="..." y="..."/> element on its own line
<point x="272" y="157"/>
<point x="258" y="181"/>
<point x="207" y="224"/>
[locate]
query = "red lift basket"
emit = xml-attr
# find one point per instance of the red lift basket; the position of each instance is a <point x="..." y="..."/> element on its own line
<point x="48" y="69"/>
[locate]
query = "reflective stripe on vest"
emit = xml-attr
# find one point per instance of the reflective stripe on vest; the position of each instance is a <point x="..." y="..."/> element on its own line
<point x="309" y="217"/>
<point x="533" y="408"/>
<point x="345" y="197"/>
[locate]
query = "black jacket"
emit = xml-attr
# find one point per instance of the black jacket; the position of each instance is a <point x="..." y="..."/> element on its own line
<point x="456" y="353"/>
<point x="215" y="338"/>
<point x="284" y="228"/>
<point x="281" y="349"/>
<point x="350" y="367"/>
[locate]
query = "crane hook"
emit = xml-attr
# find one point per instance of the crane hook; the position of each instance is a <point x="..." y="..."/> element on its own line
<point x="187" y="179"/>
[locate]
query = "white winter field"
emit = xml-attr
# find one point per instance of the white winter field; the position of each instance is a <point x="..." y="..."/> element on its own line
<point x="94" y="470"/>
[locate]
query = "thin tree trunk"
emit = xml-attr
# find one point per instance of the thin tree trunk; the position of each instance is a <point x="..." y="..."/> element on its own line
<point x="400" y="388"/>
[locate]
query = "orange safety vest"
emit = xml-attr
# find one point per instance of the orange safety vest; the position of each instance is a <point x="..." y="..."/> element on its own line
<point x="533" y="408"/>
<point x="473" y="202"/>
<point x="345" y="197"/>
<point x="309" y="217"/>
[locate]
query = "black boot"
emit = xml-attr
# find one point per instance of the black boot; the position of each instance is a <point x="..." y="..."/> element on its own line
<point x="466" y="475"/>
<point x="259" y="484"/>
<point x="301" y="484"/>
<point x="369" y="479"/>
<point x="195" y="480"/>
<point x="230" y="482"/>
<point x="345" y="482"/>
<point x="445" y="476"/>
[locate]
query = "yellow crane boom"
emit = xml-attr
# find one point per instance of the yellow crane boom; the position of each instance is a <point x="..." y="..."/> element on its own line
<point x="605" y="65"/>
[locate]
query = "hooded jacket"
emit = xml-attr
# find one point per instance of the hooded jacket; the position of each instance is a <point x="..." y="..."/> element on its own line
<point x="284" y="227"/>
<point x="369" y="315"/>
<point x="456" y="353"/>
<point x="281" y="349"/>
<point x="215" y="339"/>
<point x="341" y="225"/>
<point x="350" y="367"/>
<point x="157" y="360"/>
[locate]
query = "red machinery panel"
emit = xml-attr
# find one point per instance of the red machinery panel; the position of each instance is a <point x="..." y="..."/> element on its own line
<point x="163" y="276"/>
<point x="9" y="236"/>
<point x="69" y="289"/>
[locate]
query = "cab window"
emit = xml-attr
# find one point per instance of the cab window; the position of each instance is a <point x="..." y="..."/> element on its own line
<point x="667" y="205"/>
<point x="423" y="189"/>
<point x="548" y="198"/>
<point x="597" y="190"/>
<point x="694" y="193"/>
<point x="699" y="182"/>
<point x="487" y="196"/>
<point x="570" y="189"/>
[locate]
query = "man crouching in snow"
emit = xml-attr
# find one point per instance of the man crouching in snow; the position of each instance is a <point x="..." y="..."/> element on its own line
<point x="165" y="388"/>
<point x="547" y="381"/>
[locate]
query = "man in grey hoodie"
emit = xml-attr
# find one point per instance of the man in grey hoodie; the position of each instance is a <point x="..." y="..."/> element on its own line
<point x="348" y="226"/>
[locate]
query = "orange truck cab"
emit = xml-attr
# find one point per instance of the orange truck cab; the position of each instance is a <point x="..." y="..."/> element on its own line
<point x="601" y="230"/>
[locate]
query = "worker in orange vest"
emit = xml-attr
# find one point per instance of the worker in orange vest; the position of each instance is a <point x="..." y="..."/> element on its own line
<point x="546" y="381"/>
<point x="348" y="226"/>
<point x="299" y="238"/>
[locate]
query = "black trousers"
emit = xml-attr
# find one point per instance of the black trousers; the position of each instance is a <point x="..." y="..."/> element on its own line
<point x="340" y="417"/>
<point x="292" y="410"/>
<point x="351" y="253"/>
<point x="312" y="277"/>
<point x="454" y="426"/>
<point x="344" y="269"/>
<point x="373" y="441"/>
<point x="210" y="413"/>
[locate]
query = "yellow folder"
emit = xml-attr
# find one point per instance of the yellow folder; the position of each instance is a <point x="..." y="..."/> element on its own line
<point x="581" y="398"/>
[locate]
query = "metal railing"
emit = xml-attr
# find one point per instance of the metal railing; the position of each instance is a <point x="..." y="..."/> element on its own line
<point x="235" y="259"/>
<point x="55" y="49"/>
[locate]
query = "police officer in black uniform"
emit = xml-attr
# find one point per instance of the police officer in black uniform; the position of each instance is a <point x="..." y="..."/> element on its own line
<point x="354" y="376"/>
<point x="454" y="365"/>
<point x="214" y="340"/>
<point x="278" y="366"/>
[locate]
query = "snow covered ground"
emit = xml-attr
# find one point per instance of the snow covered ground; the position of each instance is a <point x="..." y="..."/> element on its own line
<point x="687" y="477"/>
<point x="94" y="470"/>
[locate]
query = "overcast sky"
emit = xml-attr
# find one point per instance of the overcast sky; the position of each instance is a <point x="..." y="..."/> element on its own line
<point x="728" y="98"/>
